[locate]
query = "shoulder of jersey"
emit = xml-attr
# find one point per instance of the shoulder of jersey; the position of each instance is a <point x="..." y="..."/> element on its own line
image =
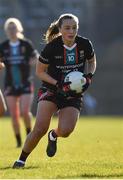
<point x="4" y="43"/>
<point x="25" y="40"/>
<point x="81" y="39"/>
<point x="55" y="41"/>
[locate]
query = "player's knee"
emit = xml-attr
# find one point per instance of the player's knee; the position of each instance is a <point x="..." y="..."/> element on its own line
<point x="25" y="113"/>
<point x="65" y="132"/>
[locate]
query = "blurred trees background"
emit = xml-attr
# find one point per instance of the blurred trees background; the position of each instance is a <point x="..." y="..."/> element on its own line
<point x="100" y="21"/>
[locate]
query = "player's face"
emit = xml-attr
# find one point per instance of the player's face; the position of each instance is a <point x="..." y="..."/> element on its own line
<point x="69" y="29"/>
<point x="12" y="31"/>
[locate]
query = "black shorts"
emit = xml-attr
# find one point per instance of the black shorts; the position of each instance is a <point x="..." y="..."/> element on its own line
<point x="11" y="91"/>
<point x="61" y="102"/>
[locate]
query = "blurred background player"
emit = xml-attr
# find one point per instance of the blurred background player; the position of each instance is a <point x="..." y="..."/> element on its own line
<point x="90" y="104"/>
<point x="2" y="101"/>
<point x="2" y="104"/>
<point x="65" y="51"/>
<point x="17" y="54"/>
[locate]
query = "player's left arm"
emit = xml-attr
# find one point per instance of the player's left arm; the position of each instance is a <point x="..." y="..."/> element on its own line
<point x="91" y="68"/>
<point x="91" y="65"/>
<point x="90" y="58"/>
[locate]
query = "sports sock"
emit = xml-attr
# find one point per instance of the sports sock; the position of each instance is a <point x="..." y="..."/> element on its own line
<point x="53" y="135"/>
<point x="21" y="161"/>
<point x="23" y="156"/>
<point x="18" y="139"/>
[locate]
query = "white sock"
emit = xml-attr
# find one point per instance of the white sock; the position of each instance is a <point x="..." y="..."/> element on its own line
<point x="51" y="137"/>
<point x="21" y="161"/>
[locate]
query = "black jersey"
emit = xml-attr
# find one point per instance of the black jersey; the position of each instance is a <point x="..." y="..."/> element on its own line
<point x="16" y="58"/>
<point x="62" y="59"/>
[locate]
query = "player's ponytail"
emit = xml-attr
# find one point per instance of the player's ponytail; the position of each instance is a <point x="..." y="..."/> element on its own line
<point x="17" y="24"/>
<point x="52" y="32"/>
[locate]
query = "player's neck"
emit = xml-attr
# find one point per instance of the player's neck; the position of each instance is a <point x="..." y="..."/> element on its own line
<point x="14" y="39"/>
<point x="68" y="43"/>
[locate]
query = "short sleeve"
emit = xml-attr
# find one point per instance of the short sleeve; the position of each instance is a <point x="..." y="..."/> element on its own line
<point x="89" y="50"/>
<point x="45" y="55"/>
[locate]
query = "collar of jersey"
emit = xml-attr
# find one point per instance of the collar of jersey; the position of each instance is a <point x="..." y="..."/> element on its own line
<point x="70" y="48"/>
<point x="14" y="43"/>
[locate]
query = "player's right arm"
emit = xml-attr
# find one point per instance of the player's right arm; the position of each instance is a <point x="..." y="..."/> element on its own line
<point x="42" y="65"/>
<point x="41" y="72"/>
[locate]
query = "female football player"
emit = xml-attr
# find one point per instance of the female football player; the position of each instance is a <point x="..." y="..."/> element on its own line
<point x="65" y="51"/>
<point x="17" y="53"/>
<point x="2" y="101"/>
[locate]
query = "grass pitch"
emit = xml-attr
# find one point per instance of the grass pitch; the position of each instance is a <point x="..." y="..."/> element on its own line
<point x="94" y="150"/>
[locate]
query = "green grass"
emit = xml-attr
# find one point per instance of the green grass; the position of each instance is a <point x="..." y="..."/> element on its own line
<point x="94" y="150"/>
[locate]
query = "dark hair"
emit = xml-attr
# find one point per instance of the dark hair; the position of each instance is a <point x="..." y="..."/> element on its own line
<point x="53" y="30"/>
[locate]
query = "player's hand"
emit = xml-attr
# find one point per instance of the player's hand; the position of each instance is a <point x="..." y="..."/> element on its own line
<point x="65" y="86"/>
<point x="65" y="91"/>
<point x="88" y="81"/>
<point x="62" y="88"/>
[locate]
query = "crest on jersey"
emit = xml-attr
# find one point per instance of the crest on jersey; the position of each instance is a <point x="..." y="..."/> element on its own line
<point x="81" y="53"/>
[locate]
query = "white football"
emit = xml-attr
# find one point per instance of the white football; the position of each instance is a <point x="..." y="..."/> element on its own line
<point x="77" y="80"/>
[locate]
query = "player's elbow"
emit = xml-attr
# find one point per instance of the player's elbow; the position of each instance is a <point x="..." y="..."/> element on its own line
<point x="40" y="69"/>
<point x="39" y="74"/>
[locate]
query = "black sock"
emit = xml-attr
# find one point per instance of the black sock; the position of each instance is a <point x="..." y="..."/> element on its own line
<point x="54" y="134"/>
<point x="23" y="156"/>
<point x="28" y="130"/>
<point x="18" y="139"/>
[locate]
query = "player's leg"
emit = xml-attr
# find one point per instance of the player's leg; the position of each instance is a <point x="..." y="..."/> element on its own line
<point x="67" y="120"/>
<point x="44" y="113"/>
<point x="25" y="104"/>
<point x="13" y="106"/>
<point x="2" y="104"/>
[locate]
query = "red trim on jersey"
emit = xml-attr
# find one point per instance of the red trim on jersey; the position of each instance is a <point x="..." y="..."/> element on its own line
<point x="64" y="56"/>
<point x="76" y="55"/>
